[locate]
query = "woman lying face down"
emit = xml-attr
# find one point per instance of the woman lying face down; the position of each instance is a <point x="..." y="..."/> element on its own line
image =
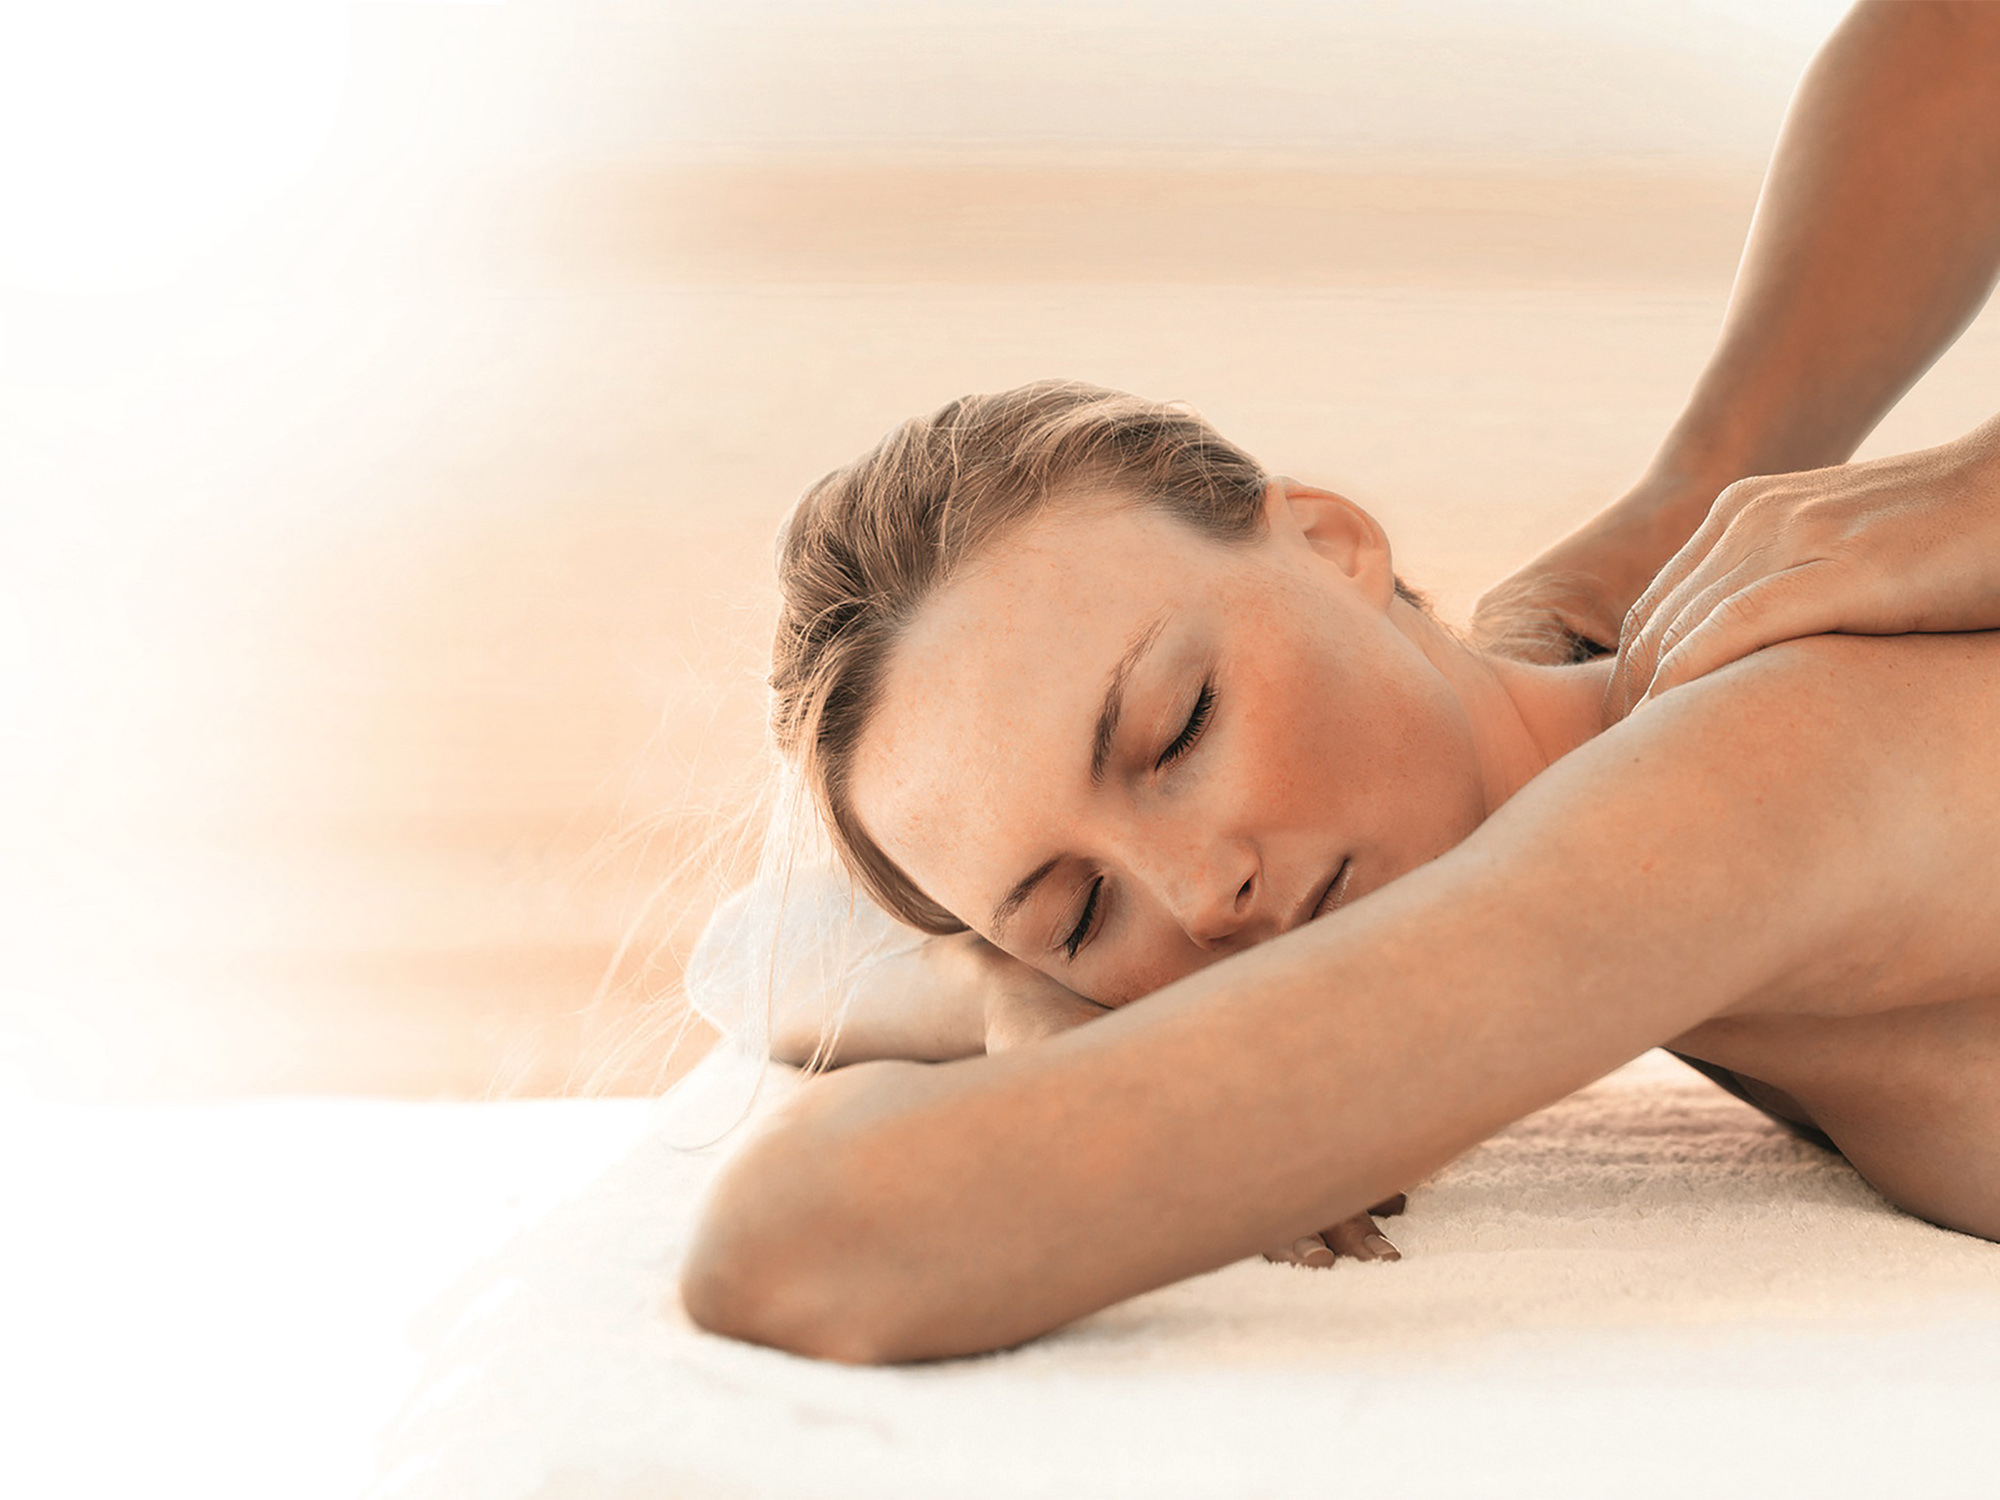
<point x="1119" y="749"/>
<point x="1065" y="668"/>
<point x="1124" y="735"/>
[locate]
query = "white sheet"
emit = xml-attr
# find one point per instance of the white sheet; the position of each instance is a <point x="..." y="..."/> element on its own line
<point x="1648" y="1290"/>
<point x="215" y="1301"/>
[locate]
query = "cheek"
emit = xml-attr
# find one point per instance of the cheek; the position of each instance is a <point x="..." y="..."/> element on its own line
<point x="1384" y="755"/>
<point x="1149" y="952"/>
<point x="1163" y="961"/>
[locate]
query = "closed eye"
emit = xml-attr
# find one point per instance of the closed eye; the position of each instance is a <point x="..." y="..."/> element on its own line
<point x="1204" y="707"/>
<point x="1080" y="933"/>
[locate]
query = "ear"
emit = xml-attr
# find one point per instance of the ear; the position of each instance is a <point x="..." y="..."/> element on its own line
<point x="1337" y="530"/>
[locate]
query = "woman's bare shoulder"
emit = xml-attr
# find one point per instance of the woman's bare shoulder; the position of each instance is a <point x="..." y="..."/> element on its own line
<point x="1865" y="669"/>
<point x="1816" y="705"/>
<point x="1849" y="773"/>
<point x="1878" y="721"/>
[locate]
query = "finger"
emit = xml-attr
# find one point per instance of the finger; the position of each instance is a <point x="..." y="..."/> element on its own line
<point x="1025" y="1008"/>
<point x="1779" y="607"/>
<point x="1307" y="1250"/>
<point x="1674" y="615"/>
<point x="1639" y="649"/>
<point x="1688" y="571"/>
<point x="1359" y="1239"/>
<point x="1688" y="611"/>
<point x="1639" y="639"/>
<point x="1701" y="547"/>
<point x="1693" y="553"/>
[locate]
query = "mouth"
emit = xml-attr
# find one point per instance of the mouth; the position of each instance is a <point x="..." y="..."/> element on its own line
<point x="1334" y="893"/>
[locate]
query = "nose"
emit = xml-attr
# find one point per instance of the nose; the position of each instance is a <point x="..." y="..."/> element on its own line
<point x="1213" y="894"/>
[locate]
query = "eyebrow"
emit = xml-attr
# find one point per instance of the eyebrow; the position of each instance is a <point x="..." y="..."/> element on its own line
<point x="1114" y="696"/>
<point x="1106" y="730"/>
<point x="1015" y="899"/>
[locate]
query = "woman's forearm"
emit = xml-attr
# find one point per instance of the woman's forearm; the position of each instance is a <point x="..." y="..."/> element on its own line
<point x="1876" y="240"/>
<point x="948" y="997"/>
<point x="914" y="1212"/>
<point x="926" y="1004"/>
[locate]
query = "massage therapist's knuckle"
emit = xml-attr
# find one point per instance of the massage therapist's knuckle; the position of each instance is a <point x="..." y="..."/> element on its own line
<point x="1737" y="618"/>
<point x="1629" y="681"/>
<point x="1668" y="639"/>
<point x="1637" y="630"/>
<point x="1636" y="617"/>
<point x="1739" y="498"/>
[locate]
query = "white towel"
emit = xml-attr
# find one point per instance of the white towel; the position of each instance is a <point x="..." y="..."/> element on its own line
<point x="1648" y="1290"/>
<point x="796" y="943"/>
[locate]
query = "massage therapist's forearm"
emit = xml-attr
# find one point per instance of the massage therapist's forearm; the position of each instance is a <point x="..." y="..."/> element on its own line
<point x="905" y="1212"/>
<point x="1876" y="240"/>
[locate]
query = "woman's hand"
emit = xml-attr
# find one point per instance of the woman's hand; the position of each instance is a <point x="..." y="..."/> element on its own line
<point x="1358" y="1238"/>
<point x="1909" y="543"/>
<point x="1024" y="1005"/>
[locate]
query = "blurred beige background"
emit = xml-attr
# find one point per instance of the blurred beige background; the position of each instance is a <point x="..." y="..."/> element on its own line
<point x="400" y="400"/>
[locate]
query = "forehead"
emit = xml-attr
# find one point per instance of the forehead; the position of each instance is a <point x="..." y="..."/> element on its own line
<point x="979" y="746"/>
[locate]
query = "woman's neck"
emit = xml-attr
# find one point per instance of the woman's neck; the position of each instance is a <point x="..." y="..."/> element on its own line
<point x="1523" y="717"/>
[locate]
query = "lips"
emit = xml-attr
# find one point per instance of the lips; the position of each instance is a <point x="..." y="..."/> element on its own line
<point x="1335" y="892"/>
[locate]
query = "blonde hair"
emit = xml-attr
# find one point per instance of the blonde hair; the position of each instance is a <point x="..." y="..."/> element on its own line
<point x="872" y="541"/>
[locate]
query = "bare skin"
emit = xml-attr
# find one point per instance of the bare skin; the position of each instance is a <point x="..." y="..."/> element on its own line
<point x="1787" y="868"/>
<point x="960" y="996"/>
<point x="1876" y="241"/>
<point x="1877" y="238"/>
<point x="1904" y="544"/>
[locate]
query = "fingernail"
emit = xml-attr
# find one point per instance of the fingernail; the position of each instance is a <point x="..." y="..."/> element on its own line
<point x="1379" y="1248"/>
<point x="1312" y="1251"/>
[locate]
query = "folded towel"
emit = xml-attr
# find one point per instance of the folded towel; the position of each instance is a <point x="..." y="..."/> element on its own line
<point x="797" y="942"/>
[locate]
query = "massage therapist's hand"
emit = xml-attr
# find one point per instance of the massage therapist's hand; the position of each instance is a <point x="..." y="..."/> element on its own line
<point x="1570" y="601"/>
<point x="1024" y="1006"/>
<point x="1907" y="543"/>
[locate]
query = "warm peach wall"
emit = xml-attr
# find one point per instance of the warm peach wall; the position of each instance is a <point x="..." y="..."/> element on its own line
<point x="386" y="589"/>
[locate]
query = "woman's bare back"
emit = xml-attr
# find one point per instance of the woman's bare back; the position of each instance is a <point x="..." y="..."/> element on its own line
<point x="1898" y="1066"/>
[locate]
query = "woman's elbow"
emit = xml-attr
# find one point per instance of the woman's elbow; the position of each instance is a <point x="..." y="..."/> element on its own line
<point x="745" y="1304"/>
<point x="793" y="1307"/>
<point x="774" y="1261"/>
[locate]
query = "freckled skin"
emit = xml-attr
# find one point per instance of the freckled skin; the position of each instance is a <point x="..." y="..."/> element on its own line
<point x="1344" y="726"/>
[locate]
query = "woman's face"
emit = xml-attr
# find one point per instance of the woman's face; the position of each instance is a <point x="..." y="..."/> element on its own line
<point x="1119" y="749"/>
